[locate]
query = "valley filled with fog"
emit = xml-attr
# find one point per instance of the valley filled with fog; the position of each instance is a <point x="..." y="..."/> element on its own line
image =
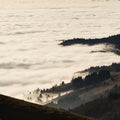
<point x="30" y="33"/>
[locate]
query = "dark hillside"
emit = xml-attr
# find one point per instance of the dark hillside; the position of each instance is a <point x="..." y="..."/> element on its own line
<point x="103" y="108"/>
<point x="14" y="109"/>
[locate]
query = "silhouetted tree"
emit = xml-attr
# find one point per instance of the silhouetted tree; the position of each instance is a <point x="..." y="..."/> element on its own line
<point x="104" y="74"/>
<point x="91" y="79"/>
<point x="77" y="82"/>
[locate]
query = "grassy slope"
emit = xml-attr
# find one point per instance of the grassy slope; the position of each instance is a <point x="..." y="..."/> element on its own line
<point x="14" y="109"/>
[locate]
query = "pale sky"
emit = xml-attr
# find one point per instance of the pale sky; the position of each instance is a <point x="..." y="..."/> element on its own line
<point x="55" y="1"/>
<point x="44" y="2"/>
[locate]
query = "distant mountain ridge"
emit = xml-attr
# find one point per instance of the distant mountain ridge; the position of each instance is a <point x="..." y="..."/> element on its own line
<point x="111" y="40"/>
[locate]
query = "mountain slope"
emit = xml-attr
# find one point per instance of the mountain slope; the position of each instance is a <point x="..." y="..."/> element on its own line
<point x="103" y="108"/>
<point x="86" y="94"/>
<point x="14" y="109"/>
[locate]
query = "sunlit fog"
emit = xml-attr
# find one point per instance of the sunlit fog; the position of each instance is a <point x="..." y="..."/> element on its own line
<point x="30" y="33"/>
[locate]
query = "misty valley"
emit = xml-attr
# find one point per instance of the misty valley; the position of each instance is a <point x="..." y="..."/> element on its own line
<point x="60" y="60"/>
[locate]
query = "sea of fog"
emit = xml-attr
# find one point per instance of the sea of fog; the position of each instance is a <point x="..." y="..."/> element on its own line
<point x="30" y="56"/>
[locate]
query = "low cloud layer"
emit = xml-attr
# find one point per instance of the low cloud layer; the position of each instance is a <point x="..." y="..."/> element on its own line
<point x="29" y="61"/>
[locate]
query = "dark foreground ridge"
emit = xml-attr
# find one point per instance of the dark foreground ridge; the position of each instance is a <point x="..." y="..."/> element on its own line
<point x="111" y="40"/>
<point x="14" y="109"/>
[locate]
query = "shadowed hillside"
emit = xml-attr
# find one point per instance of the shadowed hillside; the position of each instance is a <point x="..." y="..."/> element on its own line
<point x="112" y="40"/>
<point x="14" y="109"/>
<point x="98" y="81"/>
<point x="103" y="108"/>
